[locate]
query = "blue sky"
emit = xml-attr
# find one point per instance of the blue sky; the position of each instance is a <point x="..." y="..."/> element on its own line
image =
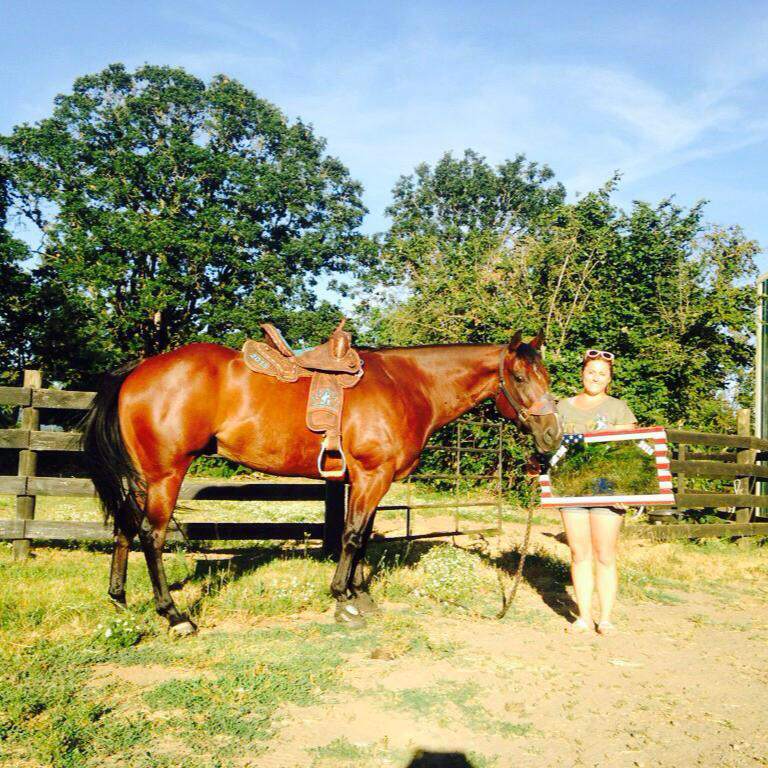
<point x="673" y="95"/>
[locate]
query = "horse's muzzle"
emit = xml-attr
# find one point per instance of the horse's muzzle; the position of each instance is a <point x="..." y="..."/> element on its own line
<point x="547" y="433"/>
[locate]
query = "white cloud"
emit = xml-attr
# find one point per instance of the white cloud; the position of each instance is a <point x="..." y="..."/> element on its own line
<point x="414" y="99"/>
<point x="248" y="25"/>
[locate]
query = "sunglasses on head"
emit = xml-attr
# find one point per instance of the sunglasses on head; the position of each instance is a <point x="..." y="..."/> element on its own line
<point x="594" y="354"/>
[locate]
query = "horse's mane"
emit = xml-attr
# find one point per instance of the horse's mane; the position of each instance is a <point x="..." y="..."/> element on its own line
<point x="393" y="348"/>
<point x="524" y="351"/>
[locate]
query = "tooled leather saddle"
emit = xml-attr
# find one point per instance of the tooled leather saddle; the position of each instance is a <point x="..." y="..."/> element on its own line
<point x="333" y="367"/>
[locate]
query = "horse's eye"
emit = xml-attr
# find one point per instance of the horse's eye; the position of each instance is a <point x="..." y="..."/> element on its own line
<point x="519" y="379"/>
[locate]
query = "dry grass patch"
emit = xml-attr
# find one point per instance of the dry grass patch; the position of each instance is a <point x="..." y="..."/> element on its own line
<point x="700" y="564"/>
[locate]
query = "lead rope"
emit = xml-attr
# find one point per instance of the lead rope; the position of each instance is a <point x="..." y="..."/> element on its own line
<point x="506" y="602"/>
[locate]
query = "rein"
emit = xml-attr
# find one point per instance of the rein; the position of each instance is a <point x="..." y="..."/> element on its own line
<point x="542" y="407"/>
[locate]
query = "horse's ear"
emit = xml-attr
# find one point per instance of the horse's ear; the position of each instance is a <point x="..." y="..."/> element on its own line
<point x="515" y="342"/>
<point x="537" y="340"/>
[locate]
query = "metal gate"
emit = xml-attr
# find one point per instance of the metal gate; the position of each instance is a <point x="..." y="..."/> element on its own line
<point x="464" y="445"/>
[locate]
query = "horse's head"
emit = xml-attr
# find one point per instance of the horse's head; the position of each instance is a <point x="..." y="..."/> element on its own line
<point x="524" y="393"/>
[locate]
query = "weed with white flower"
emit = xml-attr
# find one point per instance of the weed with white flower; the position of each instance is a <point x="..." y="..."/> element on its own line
<point x="119" y="633"/>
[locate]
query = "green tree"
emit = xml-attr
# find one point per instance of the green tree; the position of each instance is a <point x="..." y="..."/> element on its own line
<point x="16" y="302"/>
<point x="464" y="197"/>
<point x="669" y="294"/>
<point x="174" y="210"/>
<point x="447" y="250"/>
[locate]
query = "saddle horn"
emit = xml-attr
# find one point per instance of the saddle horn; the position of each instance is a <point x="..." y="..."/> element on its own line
<point x="341" y="340"/>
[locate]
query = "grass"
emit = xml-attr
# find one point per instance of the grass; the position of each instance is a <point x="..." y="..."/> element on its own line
<point x="450" y="702"/>
<point x="604" y="468"/>
<point x="51" y="716"/>
<point x="211" y="699"/>
<point x="341" y="752"/>
<point x="709" y="565"/>
<point x="54" y="622"/>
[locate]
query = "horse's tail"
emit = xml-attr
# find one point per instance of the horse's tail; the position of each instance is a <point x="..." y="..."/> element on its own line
<point x="106" y="458"/>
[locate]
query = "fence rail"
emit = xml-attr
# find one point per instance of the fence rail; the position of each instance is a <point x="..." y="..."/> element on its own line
<point x="738" y="462"/>
<point x="740" y="465"/>
<point x="29" y="440"/>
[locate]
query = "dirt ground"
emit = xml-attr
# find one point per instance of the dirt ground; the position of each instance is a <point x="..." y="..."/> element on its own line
<point x="681" y="684"/>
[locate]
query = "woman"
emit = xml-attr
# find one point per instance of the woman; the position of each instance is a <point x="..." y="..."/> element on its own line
<point x="593" y="532"/>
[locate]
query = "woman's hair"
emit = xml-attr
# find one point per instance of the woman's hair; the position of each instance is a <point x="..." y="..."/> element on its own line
<point x="592" y="360"/>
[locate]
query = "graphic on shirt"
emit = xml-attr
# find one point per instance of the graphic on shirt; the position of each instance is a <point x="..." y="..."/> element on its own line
<point x="600" y="421"/>
<point x="610" y="412"/>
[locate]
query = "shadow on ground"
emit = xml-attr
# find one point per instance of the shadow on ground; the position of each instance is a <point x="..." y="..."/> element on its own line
<point x="440" y="760"/>
<point x="547" y="575"/>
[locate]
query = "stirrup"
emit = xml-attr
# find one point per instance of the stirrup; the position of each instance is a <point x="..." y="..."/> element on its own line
<point x="331" y="473"/>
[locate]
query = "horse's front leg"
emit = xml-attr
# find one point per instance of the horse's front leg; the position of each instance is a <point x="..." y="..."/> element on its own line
<point x="365" y="492"/>
<point x="358" y="588"/>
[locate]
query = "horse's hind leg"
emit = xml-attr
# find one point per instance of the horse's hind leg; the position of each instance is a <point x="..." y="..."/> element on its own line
<point x="119" y="567"/>
<point x="126" y="527"/>
<point x="161" y="499"/>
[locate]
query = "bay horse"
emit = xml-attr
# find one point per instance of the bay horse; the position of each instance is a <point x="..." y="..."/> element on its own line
<point x="149" y="421"/>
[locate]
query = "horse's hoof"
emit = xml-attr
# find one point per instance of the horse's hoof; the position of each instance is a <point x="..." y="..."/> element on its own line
<point x="183" y="629"/>
<point x="350" y="616"/>
<point x="365" y="604"/>
<point x="118" y="601"/>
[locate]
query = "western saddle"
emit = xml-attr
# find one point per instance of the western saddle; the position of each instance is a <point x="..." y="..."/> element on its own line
<point x="333" y="367"/>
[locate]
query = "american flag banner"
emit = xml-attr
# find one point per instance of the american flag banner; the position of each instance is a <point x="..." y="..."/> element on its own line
<point x="649" y="440"/>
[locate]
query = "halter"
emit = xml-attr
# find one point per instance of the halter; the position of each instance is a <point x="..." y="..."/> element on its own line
<point x="542" y="407"/>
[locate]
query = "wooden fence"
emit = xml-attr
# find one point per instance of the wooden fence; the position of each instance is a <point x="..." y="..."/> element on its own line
<point x="29" y="440"/>
<point x="738" y="460"/>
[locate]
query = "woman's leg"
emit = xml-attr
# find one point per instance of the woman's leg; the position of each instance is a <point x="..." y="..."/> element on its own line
<point x="605" y="525"/>
<point x="577" y="529"/>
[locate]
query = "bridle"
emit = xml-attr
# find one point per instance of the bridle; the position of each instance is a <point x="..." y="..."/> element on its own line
<point x="544" y="406"/>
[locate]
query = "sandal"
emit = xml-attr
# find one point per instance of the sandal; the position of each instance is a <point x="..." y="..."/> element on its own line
<point x="578" y="627"/>
<point x="606" y="628"/>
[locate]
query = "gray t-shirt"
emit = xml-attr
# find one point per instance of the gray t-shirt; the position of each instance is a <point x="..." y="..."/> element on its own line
<point x="607" y="413"/>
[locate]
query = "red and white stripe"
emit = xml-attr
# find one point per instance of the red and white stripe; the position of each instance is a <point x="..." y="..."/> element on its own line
<point x="602" y="501"/>
<point x="608" y="435"/>
<point x="655" y="434"/>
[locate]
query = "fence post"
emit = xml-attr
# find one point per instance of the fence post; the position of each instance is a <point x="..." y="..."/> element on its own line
<point x="682" y="453"/>
<point x="335" y="509"/>
<point x="25" y="505"/>
<point x="744" y="484"/>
